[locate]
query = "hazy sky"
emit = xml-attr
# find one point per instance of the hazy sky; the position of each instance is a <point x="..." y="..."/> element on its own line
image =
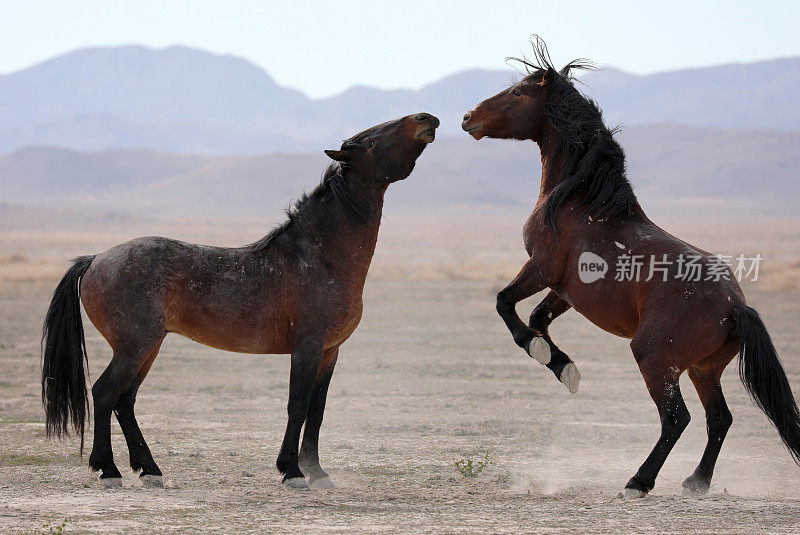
<point x="324" y="47"/>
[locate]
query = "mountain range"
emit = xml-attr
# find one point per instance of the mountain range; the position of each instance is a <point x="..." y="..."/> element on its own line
<point x="674" y="169"/>
<point x="185" y="100"/>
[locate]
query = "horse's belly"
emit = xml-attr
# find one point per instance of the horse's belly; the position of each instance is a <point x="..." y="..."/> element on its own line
<point x="606" y="320"/>
<point x="239" y="331"/>
<point x="257" y="331"/>
<point x="238" y="341"/>
<point x="611" y="312"/>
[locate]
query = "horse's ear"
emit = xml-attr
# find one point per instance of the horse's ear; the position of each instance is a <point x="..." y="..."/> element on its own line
<point x="337" y="155"/>
<point x="548" y="76"/>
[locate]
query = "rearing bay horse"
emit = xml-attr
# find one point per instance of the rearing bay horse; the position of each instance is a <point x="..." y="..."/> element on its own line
<point x="676" y="323"/>
<point x="296" y="291"/>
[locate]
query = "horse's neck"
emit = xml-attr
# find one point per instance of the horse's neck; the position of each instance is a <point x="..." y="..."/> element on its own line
<point x="552" y="170"/>
<point x="346" y="239"/>
<point x="551" y="163"/>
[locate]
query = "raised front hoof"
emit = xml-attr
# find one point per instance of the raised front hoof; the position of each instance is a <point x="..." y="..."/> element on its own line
<point x="152" y="481"/>
<point x="694" y="486"/>
<point x="323" y="483"/>
<point x="539" y="349"/>
<point x="571" y="377"/>
<point x="633" y="494"/>
<point x="296" y="483"/>
<point x="111" y="482"/>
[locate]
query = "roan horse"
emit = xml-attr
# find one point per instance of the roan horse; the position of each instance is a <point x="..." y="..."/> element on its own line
<point x="675" y="323"/>
<point x="296" y="291"/>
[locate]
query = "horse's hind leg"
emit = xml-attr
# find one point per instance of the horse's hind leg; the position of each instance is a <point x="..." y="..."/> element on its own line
<point x="551" y="307"/>
<point x="141" y="458"/>
<point x="106" y="392"/>
<point x="718" y="421"/>
<point x="661" y="377"/>
<point x="705" y="375"/>
<point x="309" y="450"/>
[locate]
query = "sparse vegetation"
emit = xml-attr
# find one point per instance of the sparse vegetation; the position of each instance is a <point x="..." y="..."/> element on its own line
<point x="52" y="529"/>
<point x="20" y="420"/>
<point x="13" y="459"/>
<point x="473" y="468"/>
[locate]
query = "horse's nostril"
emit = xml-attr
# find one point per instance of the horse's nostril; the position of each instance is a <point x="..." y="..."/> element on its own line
<point x="466" y="117"/>
<point x="422" y="117"/>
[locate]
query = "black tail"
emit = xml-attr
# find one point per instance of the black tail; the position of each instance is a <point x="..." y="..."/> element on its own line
<point x="762" y="374"/>
<point x="64" y="393"/>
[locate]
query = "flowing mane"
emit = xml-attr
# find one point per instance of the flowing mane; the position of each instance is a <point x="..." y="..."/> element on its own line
<point x="333" y="186"/>
<point x="593" y="163"/>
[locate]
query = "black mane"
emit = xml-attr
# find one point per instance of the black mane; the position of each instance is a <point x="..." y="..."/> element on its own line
<point x="333" y="186"/>
<point x="593" y="163"/>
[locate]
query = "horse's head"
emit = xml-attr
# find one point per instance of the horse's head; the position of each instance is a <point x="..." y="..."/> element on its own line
<point x="514" y="113"/>
<point x="387" y="152"/>
<point x="523" y="110"/>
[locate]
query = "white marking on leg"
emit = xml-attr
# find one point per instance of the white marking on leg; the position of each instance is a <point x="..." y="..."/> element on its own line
<point x="111" y="482"/>
<point x="539" y="350"/>
<point x="571" y="377"/>
<point x="151" y="480"/>
<point x="296" y="483"/>
<point x="632" y="494"/>
<point x="323" y="483"/>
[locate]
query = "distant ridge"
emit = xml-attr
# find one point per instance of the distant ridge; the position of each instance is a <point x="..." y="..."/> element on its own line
<point x="187" y="100"/>
<point x="674" y="168"/>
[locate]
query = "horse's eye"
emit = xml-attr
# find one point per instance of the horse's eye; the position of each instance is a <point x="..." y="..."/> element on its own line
<point x="516" y="92"/>
<point x="371" y="143"/>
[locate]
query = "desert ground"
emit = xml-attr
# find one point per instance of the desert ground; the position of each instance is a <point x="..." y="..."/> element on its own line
<point x="430" y="378"/>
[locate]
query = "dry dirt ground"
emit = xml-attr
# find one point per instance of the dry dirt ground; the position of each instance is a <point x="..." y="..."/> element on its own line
<point x="430" y="378"/>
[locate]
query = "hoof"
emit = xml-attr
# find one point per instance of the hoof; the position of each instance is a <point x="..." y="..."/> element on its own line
<point x="323" y="483"/>
<point x="632" y="494"/>
<point x="539" y="350"/>
<point x="111" y="482"/>
<point x="151" y="480"/>
<point x="694" y="487"/>
<point x="571" y="377"/>
<point x="296" y="483"/>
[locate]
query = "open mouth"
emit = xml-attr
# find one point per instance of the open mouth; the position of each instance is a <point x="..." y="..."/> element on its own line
<point x="473" y="131"/>
<point x="427" y="135"/>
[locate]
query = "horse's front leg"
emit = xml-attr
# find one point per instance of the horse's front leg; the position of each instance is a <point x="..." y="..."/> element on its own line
<point x="309" y="450"/>
<point x="306" y="358"/>
<point x="528" y="281"/>
<point x="551" y="307"/>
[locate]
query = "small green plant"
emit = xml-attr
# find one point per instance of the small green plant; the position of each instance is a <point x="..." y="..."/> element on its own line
<point x="56" y="529"/>
<point x="470" y="468"/>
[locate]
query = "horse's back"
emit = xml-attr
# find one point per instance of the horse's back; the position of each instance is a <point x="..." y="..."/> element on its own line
<point x="136" y="266"/>
<point x="158" y="285"/>
<point x="236" y="299"/>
